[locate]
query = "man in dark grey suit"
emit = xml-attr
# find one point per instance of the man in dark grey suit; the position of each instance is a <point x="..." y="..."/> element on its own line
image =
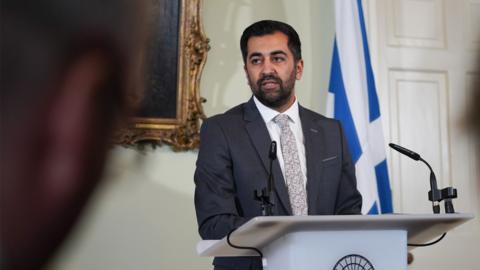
<point x="313" y="174"/>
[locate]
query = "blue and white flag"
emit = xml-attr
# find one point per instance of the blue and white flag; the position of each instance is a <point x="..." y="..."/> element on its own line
<point x="353" y="100"/>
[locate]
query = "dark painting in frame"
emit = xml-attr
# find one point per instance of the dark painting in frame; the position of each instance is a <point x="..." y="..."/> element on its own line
<point x="176" y="52"/>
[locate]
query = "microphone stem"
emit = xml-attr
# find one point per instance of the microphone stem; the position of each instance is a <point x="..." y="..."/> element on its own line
<point x="270" y="178"/>
<point x="433" y="181"/>
<point x="433" y="189"/>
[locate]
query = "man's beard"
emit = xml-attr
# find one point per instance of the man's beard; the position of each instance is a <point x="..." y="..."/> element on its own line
<point x="277" y="98"/>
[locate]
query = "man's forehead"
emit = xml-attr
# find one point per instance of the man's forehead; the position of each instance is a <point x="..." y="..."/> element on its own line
<point x="268" y="44"/>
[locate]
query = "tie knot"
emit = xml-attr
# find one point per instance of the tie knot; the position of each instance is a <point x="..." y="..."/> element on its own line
<point x="281" y="120"/>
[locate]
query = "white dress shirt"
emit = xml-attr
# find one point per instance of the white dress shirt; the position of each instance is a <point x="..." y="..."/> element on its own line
<point x="268" y="115"/>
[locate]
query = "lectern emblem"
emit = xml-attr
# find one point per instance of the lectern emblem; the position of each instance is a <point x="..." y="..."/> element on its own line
<point x="353" y="262"/>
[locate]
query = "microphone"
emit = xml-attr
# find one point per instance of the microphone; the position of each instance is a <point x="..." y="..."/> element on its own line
<point x="434" y="195"/>
<point x="272" y="155"/>
<point x="266" y="194"/>
<point x="405" y="151"/>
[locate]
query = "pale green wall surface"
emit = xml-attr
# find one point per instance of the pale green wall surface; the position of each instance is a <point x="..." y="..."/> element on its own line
<point x="142" y="216"/>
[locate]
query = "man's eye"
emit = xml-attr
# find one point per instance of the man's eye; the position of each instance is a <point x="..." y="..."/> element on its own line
<point x="278" y="59"/>
<point x="255" y="61"/>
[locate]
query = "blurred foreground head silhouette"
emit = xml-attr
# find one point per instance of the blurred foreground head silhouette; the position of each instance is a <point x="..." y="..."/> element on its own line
<point x="67" y="67"/>
<point x="472" y="118"/>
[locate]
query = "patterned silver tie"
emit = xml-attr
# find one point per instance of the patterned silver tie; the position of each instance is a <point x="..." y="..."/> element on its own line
<point x="293" y="170"/>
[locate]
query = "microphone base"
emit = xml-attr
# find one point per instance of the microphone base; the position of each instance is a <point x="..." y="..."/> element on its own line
<point x="265" y="203"/>
<point x="449" y="207"/>
<point x="447" y="195"/>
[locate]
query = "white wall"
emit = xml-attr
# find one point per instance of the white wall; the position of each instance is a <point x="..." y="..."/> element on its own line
<point x="426" y="53"/>
<point x="143" y="217"/>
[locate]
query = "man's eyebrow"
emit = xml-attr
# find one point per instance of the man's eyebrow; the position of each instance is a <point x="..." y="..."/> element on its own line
<point x="255" y="54"/>
<point x="278" y="52"/>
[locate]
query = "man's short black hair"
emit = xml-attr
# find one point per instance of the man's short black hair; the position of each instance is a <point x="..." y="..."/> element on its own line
<point x="267" y="27"/>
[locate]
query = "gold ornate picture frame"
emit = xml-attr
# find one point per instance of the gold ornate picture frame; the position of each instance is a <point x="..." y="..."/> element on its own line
<point x="171" y="109"/>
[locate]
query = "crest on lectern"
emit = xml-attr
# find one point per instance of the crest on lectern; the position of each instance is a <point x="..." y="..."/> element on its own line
<point x="353" y="262"/>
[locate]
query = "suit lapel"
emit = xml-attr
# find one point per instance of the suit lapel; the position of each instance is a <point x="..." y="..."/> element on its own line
<point x="313" y="136"/>
<point x="260" y="138"/>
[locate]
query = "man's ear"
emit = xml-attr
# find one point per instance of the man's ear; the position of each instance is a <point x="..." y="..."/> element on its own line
<point x="69" y="123"/>
<point x="299" y="66"/>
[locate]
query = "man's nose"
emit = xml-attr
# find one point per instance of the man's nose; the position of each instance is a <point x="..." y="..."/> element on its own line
<point x="268" y="67"/>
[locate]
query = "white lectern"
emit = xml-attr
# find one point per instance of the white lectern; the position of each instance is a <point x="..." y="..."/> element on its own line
<point x="333" y="242"/>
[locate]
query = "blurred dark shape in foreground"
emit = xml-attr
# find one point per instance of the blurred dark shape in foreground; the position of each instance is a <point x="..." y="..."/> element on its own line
<point x="473" y="110"/>
<point x="472" y="116"/>
<point x="67" y="67"/>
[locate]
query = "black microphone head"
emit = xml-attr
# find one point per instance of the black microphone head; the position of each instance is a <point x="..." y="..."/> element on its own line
<point x="272" y="154"/>
<point x="405" y="151"/>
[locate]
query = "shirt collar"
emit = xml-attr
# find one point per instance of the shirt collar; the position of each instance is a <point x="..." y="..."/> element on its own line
<point x="268" y="113"/>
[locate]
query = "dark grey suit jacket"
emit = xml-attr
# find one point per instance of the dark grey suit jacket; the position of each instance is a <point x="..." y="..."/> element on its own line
<point x="233" y="162"/>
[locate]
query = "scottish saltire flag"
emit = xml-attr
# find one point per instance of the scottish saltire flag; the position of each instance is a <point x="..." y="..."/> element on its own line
<point x="352" y="99"/>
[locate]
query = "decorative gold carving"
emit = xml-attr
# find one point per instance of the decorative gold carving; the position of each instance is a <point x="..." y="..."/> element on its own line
<point x="182" y="133"/>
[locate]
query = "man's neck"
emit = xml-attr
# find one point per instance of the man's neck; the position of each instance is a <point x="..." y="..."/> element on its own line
<point x="286" y="106"/>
